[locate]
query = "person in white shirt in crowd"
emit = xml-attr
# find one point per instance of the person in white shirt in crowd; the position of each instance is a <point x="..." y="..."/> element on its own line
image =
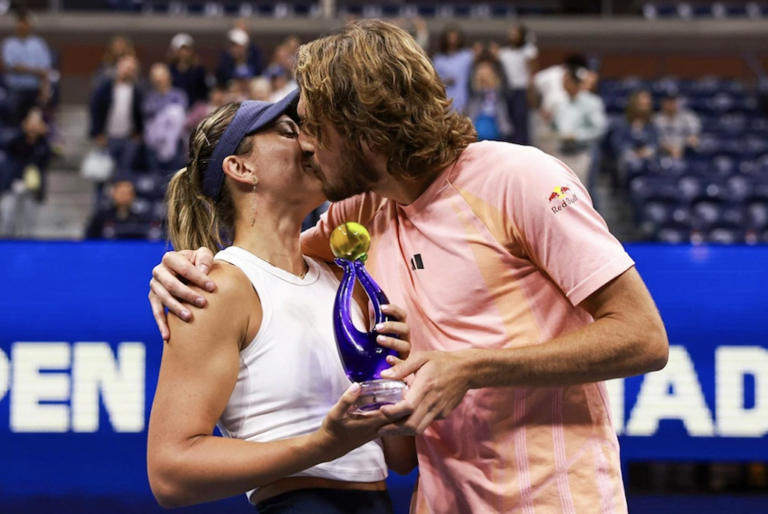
<point x="453" y="63"/>
<point x="579" y="122"/>
<point x="678" y="128"/>
<point x="519" y="61"/>
<point x="546" y="92"/>
<point x="27" y="67"/>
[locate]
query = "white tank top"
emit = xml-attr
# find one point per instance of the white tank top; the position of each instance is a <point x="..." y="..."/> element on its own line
<point x="291" y="374"/>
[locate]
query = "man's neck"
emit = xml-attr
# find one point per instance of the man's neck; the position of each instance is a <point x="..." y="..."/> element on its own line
<point x="402" y="191"/>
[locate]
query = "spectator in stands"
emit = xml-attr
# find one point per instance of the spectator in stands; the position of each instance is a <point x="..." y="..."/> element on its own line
<point x="165" y="116"/>
<point x="281" y="82"/>
<point x="580" y="122"/>
<point x="487" y="108"/>
<point x="292" y="44"/>
<point x="678" y="128"/>
<point x="453" y="63"/>
<point x="260" y="89"/>
<point x="240" y="86"/>
<point x="187" y="73"/>
<point x="519" y="61"/>
<point x="636" y="137"/>
<point x="22" y="179"/>
<point x="217" y="97"/>
<point x="117" y="122"/>
<point x="119" y="47"/>
<point x="27" y="67"/>
<point x="241" y="58"/>
<point x="120" y="220"/>
<point x="545" y="93"/>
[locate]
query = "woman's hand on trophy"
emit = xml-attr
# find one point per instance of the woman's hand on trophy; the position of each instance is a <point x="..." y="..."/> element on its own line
<point x="345" y="429"/>
<point x="168" y="290"/>
<point x="397" y="328"/>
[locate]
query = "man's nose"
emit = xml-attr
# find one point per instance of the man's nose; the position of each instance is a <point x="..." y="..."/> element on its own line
<point x="307" y="144"/>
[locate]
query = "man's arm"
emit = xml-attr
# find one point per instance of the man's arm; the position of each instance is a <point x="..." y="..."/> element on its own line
<point x="574" y="249"/>
<point x="627" y="338"/>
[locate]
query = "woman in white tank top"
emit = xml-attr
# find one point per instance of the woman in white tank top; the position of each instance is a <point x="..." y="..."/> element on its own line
<point x="260" y="360"/>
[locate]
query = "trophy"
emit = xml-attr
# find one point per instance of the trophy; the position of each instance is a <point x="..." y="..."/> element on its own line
<point x="363" y="359"/>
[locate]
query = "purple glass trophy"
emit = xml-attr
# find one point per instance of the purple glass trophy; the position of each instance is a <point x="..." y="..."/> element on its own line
<point x="362" y="357"/>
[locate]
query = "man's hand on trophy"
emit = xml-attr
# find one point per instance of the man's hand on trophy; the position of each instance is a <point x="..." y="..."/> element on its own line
<point x="397" y="328"/>
<point x="440" y="381"/>
<point x="168" y="285"/>
<point x="344" y="429"/>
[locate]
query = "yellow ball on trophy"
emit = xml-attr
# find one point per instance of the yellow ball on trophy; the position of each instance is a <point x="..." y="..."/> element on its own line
<point x="350" y="241"/>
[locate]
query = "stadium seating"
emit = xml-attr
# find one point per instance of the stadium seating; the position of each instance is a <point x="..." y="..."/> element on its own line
<point x="717" y="195"/>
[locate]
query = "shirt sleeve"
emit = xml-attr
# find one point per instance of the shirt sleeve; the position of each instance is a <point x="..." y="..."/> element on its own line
<point x="46" y="62"/>
<point x="530" y="51"/>
<point x="361" y="209"/>
<point x="10" y="54"/>
<point x="695" y="124"/>
<point x="552" y="218"/>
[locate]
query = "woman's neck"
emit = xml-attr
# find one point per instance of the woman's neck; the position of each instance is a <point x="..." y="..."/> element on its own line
<point x="274" y="239"/>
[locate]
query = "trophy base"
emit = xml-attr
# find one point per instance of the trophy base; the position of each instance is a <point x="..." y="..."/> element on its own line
<point x="374" y="394"/>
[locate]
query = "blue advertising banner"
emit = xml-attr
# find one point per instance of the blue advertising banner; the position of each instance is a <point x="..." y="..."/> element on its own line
<point x="80" y="353"/>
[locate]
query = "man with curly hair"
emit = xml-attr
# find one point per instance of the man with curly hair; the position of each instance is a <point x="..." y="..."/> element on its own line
<point x="521" y="302"/>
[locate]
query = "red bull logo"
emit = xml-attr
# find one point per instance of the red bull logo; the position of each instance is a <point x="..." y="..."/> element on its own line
<point x="559" y="193"/>
<point x="563" y="194"/>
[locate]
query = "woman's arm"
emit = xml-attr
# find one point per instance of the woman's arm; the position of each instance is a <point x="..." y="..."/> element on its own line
<point x="186" y="464"/>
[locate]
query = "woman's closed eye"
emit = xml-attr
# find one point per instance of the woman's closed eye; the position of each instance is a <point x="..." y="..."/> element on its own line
<point x="288" y="129"/>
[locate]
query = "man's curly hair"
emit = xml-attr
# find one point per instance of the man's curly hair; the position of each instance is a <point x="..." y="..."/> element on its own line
<point x="375" y="85"/>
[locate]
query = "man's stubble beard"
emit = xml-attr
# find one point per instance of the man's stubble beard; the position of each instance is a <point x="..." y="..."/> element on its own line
<point x="355" y="176"/>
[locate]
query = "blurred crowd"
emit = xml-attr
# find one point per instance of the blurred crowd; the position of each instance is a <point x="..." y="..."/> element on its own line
<point x="141" y="126"/>
<point x="141" y="114"/>
<point x="29" y="95"/>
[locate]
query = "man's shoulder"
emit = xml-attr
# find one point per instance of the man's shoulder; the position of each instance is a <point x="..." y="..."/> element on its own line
<point x="492" y="163"/>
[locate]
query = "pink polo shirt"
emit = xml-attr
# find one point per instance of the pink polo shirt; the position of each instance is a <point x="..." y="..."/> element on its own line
<point x="497" y="253"/>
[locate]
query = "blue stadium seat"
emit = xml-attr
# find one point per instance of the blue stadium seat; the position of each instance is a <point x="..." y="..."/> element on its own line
<point x="159" y="210"/>
<point x="670" y="167"/>
<point x="695" y="189"/>
<point x="674" y="233"/>
<point x="151" y="186"/>
<point x="142" y="206"/>
<point x="645" y="188"/>
<point x="726" y="235"/>
<point x="656" y="214"/>
<point x="757" y="215"/>
<point x="639" y="167"/>
<point x="707" y="213"/>
<point x="739" y="187"/>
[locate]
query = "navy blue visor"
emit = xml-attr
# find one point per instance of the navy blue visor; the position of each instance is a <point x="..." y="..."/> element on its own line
<point x="251" y="117"/>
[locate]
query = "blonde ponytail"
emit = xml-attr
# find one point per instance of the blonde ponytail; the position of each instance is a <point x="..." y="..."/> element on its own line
<point x="195" y="220"/>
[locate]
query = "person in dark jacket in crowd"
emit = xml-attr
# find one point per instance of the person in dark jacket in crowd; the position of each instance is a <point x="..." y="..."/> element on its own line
<point x="120" y="220"/>
<point x="22" y="177"/>
<point x="187" y="72"/>
<point x="117" y="122"/>
<point x="241" y="58"/>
